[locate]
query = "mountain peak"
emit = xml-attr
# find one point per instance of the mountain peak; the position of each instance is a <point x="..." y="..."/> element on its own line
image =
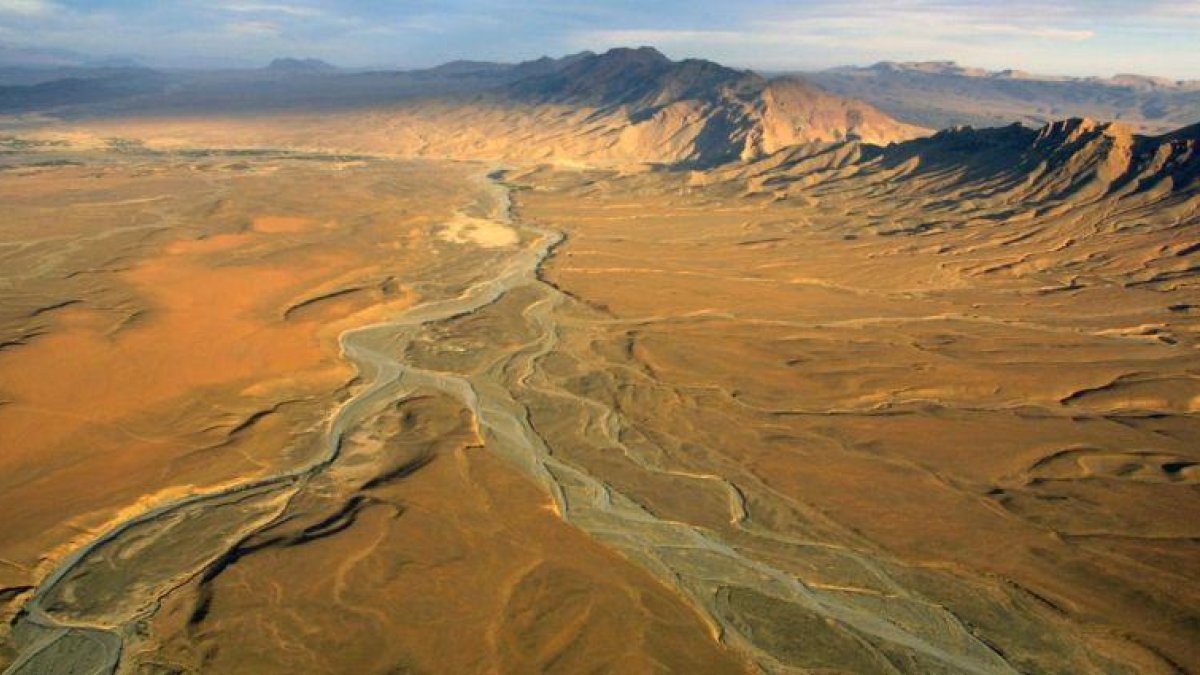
<point x="1072" y="129"/>
<point x="648" y="55"/>
<point x="623" y="76"/>
<point x="944" y="67"/>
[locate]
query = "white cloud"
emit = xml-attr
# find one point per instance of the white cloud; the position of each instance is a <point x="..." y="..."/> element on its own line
<point x="1049" y="36"/>
<point x="837" y="33"/>
<point x="28" y="7"/>
<point x="666" y="38"/>
<point x="272" y="8"/>
<point x="254" y="28"/>
<point x="1040" y="32"/>
<point x="1063" y="34"/>
<point x="1175" y="8"/>
<point x="1036" y="35"/>
<point x="825" y="32"/>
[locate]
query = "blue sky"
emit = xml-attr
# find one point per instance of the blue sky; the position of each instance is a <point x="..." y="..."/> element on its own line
<point x="1091" y="37"/>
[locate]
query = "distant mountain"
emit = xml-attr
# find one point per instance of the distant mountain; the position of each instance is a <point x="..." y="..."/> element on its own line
<point x="462" y="68"/>
<point x="496" y="73"/>
<point x="44" y="57"/>
<point x="292" y="65"/>
<point x="25" y="76"/>
<point x="27" y="66"/>
<point x="285" y="83"/>
<point x="546" y="65"/>
<point x="13" y="56"/>
<point x="953" y="68"/>
<point x="942" y="94"/>
<point x="81" y="88"/>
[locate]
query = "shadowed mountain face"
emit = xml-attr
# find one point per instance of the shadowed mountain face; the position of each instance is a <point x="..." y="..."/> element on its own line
<point x="1075" y="158"/>
<point x="1073" y="161"/>
<point x="30" y="92"/>
<point x="939" y="94"/>
<point x="622" y="76"/>
<point x="488" y="73"/>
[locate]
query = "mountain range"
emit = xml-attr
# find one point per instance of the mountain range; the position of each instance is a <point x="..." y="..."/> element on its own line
<point x="627" y="105"/>
<point x="940" y="94"/>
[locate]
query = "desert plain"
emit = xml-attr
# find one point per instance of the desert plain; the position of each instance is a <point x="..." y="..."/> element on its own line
<point x="278" y="396"/>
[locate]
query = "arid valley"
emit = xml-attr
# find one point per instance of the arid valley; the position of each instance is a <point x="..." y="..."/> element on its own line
<point x="608" y="363"/>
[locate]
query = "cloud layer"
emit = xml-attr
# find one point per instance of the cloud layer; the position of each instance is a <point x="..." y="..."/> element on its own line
<point x="1054" y="36"/>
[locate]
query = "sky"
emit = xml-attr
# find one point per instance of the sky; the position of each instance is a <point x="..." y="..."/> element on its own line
<point x="1071" y="37"/>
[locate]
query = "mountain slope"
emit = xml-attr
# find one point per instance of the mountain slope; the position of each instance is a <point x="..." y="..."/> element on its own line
<point x="1077" y="159"/>
<point x="1076" y="203"/>
<point x="701" y="112"/>
<point x="1071" y="163"/>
